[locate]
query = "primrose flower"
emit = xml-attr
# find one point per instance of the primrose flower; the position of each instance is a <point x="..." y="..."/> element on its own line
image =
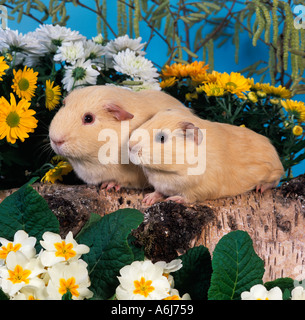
<point x="298" y="293"/>
<point x="71" y="277"/>
<point x="174" y="295"/>
<point x="142" y="280"/>
<point x="259" y="292"/>
<point x="31" y="293"/>
<point x="22" y="242"/>
<point x="172" y="266"/>
<point x="59" y="250"/>
<point x="20" y="272"/>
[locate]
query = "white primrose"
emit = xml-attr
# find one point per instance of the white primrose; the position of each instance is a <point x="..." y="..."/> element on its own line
<point x="59" y="250"/>
<point x="19" y="272"/>
<point x="22" y="242"/>
<point x="71" y="277"/>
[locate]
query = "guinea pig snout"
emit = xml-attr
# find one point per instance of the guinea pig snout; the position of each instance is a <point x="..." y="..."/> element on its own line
<point x="58" y="143"/>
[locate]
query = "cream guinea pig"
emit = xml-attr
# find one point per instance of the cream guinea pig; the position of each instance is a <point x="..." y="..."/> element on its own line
<point x="75" y="130"/>
<point x="232" y="159"/>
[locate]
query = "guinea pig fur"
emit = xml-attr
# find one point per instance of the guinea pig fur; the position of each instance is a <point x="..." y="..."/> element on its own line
<point x="235" y="159"/>
<point x="75" y="130"/>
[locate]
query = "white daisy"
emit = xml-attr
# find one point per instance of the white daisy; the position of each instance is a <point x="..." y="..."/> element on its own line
<point x="79" y="74"/>
<point x="142" y="85"/>
<point x="19" y="45"/>
<point x="135" y="66"/>
<point x="70" y="52"/>
<point x="93" y="51"/>
<point x="122" y="43"/>
<point x="99" y="39"/>
<point x="52" y="37"/>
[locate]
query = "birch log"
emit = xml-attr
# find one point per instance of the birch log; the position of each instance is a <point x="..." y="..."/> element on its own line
<point x="275" y="221"/>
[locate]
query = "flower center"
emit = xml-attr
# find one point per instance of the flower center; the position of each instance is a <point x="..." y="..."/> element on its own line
<point x="143" y="287"/>
<point x="50" y="94"/>
<point x="4" y="251"/>
<point x="79" y="73"/>
<point x="57" y="42"/>
<point x="19" y="275"/>
<point x="13" y="119"/>
<point x="231" y="84"/>
<point x="68" y="285"/>
<point x="174" y="297"/>
<point x="23" y="84"/>
<point x="64" y="250"/>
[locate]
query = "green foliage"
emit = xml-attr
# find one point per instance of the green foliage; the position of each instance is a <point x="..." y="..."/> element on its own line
<point x="236" y="267"/>
<point x="194" y="277"/>
<point x="109" y="249"/>
<point x="26" y="210"/>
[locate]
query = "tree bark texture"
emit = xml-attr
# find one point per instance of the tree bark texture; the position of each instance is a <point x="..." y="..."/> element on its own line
<point x="275" y="220"/>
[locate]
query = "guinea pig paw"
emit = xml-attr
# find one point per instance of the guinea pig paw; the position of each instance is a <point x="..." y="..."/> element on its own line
<point x="177" y="199"/>
<point x="263" y="187"/>
<point x="110" y="184"/>
<point x="153" y="197"/>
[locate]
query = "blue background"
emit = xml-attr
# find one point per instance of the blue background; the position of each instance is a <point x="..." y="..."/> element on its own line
<point x="84" y="21"/>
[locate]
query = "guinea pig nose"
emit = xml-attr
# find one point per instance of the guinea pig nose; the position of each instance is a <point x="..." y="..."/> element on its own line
<point x="58" y="142"/>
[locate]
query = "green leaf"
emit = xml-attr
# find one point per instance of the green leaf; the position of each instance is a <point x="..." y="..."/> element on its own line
<point x="195" y="275"/>
<point x="109" y="249"/>
<point x="3" y="296"/>
<point x="26" y="210"/>
<point x="236" y="267"/>
<point x="67" y="296"/>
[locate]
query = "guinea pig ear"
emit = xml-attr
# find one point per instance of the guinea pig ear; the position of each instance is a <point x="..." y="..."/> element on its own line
<point x="196" y="135"/>
<point x="119" y="113"/>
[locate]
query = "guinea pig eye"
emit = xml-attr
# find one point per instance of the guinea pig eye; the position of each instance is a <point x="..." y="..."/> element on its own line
<point x="161" y="137"/>
<point x="88" y="118"/>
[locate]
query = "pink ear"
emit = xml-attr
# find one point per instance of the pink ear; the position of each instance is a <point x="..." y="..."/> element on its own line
<point x="197" y="136"/>
<point x="119" y="113"/>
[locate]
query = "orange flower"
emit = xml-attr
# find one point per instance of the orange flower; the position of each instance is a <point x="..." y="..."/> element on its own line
<point x="180" y="70"/>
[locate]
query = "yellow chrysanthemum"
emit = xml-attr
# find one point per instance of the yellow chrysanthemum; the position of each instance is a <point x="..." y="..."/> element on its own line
<point x="297" y="130"/>
<point x="16" y="120"/>
<point x="280" y="91"/>
<point x="56" y="173"/>
<point x="180" y="70"/>
<point x="296" y="108"/>
<point x="24" y="83"/>
<point x="205" y="77"/>
<point x="255" y="86"/>
<point x="3" y="66"/>
<point x="168" y="82"/>
<point x="191" y="96"/>
<point x="252" y="96"/>
<point x="234" y="83"/>
<point x="52" y="95"/>
<point x="211" y="89"/>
